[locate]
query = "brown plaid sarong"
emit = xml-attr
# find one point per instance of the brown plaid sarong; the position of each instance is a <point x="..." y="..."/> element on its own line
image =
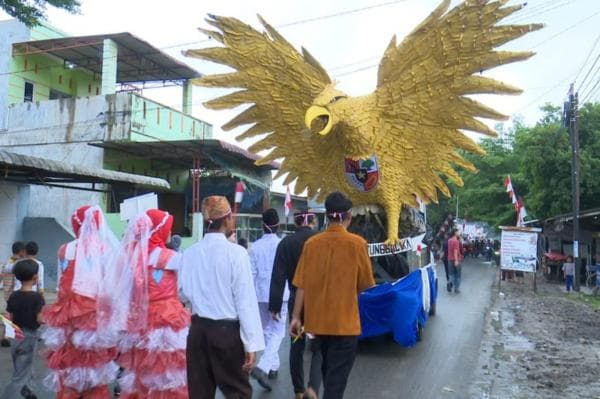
<point x="8" y="282"/>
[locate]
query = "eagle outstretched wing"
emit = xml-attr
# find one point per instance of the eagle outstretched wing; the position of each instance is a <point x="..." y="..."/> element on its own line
<point x="279" y="82"/>
<point x="424" y="81"/>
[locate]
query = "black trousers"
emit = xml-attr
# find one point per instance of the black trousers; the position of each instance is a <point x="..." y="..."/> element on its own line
<point x="215" y="355"/>
<point x="297" y="364"/>
<point x="338" y="358"/>
<point x="446" y="270"/>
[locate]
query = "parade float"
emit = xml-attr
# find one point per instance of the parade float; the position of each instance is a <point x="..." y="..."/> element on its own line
<point x="388" y="150"/>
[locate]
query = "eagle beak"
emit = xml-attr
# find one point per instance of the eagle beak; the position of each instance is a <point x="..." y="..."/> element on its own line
<point x="319" y="116"/>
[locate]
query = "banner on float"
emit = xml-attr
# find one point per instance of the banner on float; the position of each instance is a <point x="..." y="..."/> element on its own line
<point x="403" y="245"/>
<point x="518" y="249"/>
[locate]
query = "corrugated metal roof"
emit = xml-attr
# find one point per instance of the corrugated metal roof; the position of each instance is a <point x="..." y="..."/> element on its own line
<point x="137" y="60"/>
<point x="186" y="150"/>
<point x="37" y="170"/>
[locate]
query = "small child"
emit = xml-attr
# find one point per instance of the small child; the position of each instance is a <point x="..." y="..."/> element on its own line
<point x="31" y="251"/>
<point x="569" y="272"/>
<point x="23" y="308"/>
<point x="8" y="278"/>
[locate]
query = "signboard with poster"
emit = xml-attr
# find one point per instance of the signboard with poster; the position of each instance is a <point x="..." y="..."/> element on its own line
<point x="518" y="249"/>
<point x="133" y="206"/>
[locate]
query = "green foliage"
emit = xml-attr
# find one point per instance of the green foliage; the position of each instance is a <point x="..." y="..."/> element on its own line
<point x="538" y="159"/>
<point x="31" y="12"/>
<point x="483" y="196"/>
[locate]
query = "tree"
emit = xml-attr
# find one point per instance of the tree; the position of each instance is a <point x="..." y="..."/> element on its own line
<point x="483" y="196"/>
<point x="538" y="159"/>
<point x="31" y="12"/>
<point x="544" y="157"/>
<point x="544" y="154"/>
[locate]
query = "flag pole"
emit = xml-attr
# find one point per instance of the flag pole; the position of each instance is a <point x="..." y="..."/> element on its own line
<point x="287" y="205"/>
<point x="239" y="195"/>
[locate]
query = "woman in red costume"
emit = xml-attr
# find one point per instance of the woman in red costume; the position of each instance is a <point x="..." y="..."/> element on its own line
<point x="147" y="307"/>
<point x="81" y="359"/>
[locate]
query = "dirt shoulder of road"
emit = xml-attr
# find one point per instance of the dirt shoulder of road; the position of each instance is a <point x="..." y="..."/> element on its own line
<point x="544" y="345"/>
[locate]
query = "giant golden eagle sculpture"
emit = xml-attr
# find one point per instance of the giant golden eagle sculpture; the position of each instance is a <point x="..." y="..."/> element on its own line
<point x="386" y="148"/>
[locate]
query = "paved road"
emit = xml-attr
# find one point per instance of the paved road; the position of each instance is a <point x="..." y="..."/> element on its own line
<point x="438" y="367"/>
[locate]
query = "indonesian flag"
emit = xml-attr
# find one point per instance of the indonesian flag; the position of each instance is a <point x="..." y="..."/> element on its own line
<point x="11" y="330"/>
<point x="288" y="202"/>
<point x="510" y="190"/>
<point x="517" y="202"/>
<point x="239" y="192"/>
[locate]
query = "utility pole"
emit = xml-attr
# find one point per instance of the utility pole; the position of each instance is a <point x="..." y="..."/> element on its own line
<point x="575" y="177"/>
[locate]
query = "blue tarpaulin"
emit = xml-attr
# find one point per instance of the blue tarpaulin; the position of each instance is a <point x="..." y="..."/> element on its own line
<point x="396" y="308"/>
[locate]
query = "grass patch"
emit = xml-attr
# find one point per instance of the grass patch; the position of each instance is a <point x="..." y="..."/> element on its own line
<point x="591" y="300"/>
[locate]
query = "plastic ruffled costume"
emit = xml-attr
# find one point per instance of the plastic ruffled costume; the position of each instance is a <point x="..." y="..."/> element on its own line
<point x="80" y="357"/>
<point x="144" y="303"/>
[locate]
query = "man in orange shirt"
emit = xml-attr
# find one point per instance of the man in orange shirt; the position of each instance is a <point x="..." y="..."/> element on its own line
<point x="333" y="269"/>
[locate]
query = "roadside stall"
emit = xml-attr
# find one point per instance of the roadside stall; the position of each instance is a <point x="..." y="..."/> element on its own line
<point x="552" y="264"/>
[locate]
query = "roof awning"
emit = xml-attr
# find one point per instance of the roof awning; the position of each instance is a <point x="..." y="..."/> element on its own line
<point x="137" y="60"/>
<point x="26" y="169"/>
<point x="212" y="154"/>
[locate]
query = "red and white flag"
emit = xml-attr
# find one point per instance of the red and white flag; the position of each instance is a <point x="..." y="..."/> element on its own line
<point x="11" y="330"/>
<point x="239" y="192"/>
<point x="517" y="202"/>
<point x="288" y="202"/>
<point x="510" y="190"/>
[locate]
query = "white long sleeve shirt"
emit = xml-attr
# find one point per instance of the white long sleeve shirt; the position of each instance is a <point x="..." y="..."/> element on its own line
<point x="262" y="258"/>
<point x="215" y="277"/>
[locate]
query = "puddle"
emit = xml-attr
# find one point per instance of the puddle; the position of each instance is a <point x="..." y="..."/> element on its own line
<point x="514" y="342"/>
<point x="518" y="343"/>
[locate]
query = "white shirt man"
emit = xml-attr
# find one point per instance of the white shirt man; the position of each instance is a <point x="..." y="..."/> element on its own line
<point x="215" y="277"/>
<point x="262" y="258"/>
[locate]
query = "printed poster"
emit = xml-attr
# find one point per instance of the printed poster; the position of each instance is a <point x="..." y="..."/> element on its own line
<point x="518" y="251"/>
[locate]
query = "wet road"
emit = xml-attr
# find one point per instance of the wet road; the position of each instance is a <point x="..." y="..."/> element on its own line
<point x="439" y="367"/>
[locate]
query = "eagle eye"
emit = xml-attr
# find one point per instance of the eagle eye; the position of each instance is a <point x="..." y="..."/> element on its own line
<point x="336" y="98"/>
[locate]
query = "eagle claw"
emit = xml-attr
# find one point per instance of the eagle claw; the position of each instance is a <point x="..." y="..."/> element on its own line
<point x="392" y="241"/>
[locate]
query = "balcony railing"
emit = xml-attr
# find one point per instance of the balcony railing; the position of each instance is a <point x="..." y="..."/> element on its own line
<point x="152" y="121"/>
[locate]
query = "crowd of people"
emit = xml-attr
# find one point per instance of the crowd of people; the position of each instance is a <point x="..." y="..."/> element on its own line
<point x="158" y="323"/>
<point x="454" y="248"/>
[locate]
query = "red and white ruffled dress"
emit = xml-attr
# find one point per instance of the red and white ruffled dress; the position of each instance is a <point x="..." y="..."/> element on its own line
<point x="80" y="357"/>
<point x="155" y="360"/>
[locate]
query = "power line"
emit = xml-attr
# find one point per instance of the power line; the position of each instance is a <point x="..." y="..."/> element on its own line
<point x="575" y="25"/>
<point x="590" y="82"/>
<point x="591" y="92"/>
<point x="541" y="9"/>
<point x="356" y="70"/>
<point x="587" y="59"/>
<point x="544" y="94"/>
<point x="537" y="45"/>
<point x="294" y="23"/>
<point x="339" y="14"/>
<point x="343" y="66"/>
<point x="527" y="10"/>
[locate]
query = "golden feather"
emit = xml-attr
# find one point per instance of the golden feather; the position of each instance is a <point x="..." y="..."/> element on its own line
<point x="411" y="124"/>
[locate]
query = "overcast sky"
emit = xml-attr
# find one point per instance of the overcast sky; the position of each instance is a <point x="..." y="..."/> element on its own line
<point x="348" y="39"/>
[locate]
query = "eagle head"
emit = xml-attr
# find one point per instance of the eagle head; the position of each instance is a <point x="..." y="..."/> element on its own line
<point x="321" y="115"/>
